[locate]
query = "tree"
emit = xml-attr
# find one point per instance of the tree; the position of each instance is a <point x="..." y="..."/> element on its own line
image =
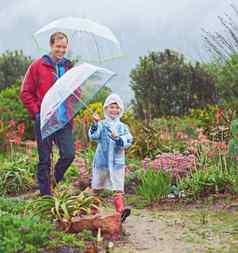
<point x="226" y="76"/>
<point x="13" y="66"/>
<point x="101" y="95"/>
<point x="164" y="84"/>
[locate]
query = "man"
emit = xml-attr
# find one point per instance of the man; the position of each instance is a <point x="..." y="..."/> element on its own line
<point x="40" y="76"/>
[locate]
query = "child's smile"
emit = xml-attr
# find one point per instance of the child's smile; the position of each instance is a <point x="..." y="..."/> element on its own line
<point x="113" y="111"/>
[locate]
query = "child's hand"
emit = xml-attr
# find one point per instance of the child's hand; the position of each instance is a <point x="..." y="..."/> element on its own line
<point x="96" y="118"/>
<point x="114" y="134"/>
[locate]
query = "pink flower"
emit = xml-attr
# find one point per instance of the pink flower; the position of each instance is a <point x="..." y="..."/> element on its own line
<point x="176" y="163"/>
<point x="146" y="163"/>
<point x="181" y="136"/>
<point x="12" y="123"/>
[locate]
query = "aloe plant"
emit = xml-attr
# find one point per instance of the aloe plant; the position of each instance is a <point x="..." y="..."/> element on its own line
<point x="63" y="206"/>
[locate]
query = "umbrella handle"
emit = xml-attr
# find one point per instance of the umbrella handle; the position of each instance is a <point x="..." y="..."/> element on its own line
<point x="84" y="103"/>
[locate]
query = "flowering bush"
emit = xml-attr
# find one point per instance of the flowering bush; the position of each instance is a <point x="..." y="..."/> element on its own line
<point x="206" y="150"/>
<point x="164" y="135"/>
<point x="83" y="121"/>
<point x="178" y="164"/>
<point x="11" y="107"/>
<point x="10" y="133"/>
<point x="206" y="116"/>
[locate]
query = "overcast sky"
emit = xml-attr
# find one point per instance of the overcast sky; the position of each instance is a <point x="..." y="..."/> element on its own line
<point x="140" y="25"/>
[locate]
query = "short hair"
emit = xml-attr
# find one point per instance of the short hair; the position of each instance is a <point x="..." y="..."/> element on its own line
<point x="58" y="36"/>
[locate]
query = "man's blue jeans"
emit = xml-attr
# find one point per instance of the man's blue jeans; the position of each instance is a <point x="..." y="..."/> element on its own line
<point x="63" y="138"/>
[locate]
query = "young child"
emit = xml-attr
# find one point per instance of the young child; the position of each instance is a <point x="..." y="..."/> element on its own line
<point x="112" y="137"/>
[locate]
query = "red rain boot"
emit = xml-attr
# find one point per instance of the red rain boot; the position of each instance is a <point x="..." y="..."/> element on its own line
<point x="118" y="203"/>
<point x="119" y="206"/>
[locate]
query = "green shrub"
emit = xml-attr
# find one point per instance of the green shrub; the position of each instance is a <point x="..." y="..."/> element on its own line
<point x="205" y="117"/>
<point x="22" y="234"/>
<point x="233" y="143"/>
<point x="16" y="176"/>
<point x="12" y="206"/>
<point x="213" y="179"/>
<point x="11" y="107"/>
<point x="154" y="185"/>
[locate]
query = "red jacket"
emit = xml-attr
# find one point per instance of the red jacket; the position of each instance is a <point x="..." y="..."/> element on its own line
<point x="40" y="76"/>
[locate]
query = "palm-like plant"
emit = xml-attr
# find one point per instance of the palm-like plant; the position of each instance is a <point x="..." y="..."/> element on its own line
<point x="63" y="206"/>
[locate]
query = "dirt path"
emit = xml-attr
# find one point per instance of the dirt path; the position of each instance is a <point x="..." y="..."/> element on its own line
<point x="151" y="235"/>
<point x="180" y="232"/>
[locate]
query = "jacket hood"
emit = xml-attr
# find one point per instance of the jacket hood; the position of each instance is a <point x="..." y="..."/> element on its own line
<point x="63" y="62"/>
<point x="111" y="99"/>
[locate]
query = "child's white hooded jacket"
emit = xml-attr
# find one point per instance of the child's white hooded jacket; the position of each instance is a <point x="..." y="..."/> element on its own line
<point x="109" y="160"/>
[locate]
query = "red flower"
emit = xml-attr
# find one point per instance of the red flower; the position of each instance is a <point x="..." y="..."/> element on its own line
<point x="17" y="140"/>
<point x="12" y="123"/>
<point x="220" y="145"/>
<point x="1" y="124"/>
<point x="77" y="146"/>
<point x="21" y="129"/>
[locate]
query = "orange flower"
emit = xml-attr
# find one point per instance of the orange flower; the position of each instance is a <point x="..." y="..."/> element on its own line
<point x="218" y="116"/>
<point x="211" y="154"/>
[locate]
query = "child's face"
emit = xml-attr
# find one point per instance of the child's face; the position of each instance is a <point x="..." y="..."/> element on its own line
<point x="59" y="48"/>
<point x="113" y="111"/>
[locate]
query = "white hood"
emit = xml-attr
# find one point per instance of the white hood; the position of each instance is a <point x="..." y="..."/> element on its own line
<point x="111" y="99"/>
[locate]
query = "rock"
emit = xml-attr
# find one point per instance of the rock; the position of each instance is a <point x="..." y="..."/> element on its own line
<point x="78" y="224"/>
<point x="110" y="225"/>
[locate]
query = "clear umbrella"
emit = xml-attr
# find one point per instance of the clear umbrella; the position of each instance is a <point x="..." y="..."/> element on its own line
<point x="73" y="91"/>
<point x="89" y="41"/>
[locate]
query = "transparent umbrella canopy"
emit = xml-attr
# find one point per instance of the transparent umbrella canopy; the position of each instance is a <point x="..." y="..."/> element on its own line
<point x="88" y="40"/>
<point x="72" y="92"/>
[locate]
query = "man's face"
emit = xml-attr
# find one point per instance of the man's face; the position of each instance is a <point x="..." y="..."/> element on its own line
<point x="59" y="48"/>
